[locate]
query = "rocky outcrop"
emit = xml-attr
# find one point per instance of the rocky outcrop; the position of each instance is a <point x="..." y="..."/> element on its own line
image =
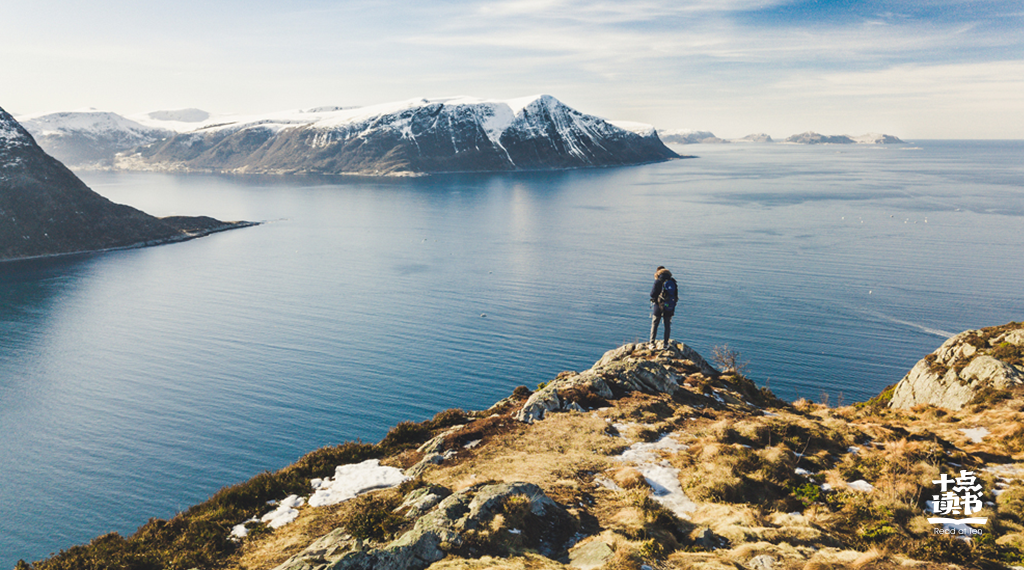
<point x="620" y="371"/>
<point x="46" y="210"/>
<point x="462" y="522"/>
<point x="964" y="366"/>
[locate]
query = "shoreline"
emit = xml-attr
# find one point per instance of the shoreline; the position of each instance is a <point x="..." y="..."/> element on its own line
<point x="186" y="236"/>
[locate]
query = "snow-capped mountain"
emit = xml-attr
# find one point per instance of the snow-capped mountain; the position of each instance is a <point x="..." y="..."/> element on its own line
<point x="688" y="136"/>
<point x="756" y="137"/>
<point x="89" y="138"/>
<point x="46" y="210"/>
<point x="815" y="138"/>
<point x="457" y="134"/>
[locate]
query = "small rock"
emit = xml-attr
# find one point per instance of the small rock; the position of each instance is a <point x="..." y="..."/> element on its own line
<point x="761" y="562"/>
<point x="590" y="555"/>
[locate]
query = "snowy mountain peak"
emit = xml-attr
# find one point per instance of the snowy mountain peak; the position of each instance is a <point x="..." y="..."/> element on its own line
<point x="87" y="121"/>
<point x="12" y="134"/>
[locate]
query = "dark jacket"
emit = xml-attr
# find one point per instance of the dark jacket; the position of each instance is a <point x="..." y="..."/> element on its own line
<point x="660" y="278"/>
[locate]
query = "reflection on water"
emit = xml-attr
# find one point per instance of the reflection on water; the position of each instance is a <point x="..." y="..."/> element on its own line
<point x="136" y="383"/>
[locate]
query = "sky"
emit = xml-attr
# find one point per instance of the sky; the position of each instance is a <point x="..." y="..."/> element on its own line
<point x="912" y="68"/>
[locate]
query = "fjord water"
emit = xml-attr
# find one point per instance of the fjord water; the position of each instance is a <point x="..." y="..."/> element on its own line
<point x="136" y="383"/>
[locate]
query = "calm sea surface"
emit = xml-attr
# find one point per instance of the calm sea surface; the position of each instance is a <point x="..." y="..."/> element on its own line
<point x="134" y="384"/>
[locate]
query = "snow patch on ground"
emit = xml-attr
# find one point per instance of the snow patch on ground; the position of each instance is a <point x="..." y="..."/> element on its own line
<point x="286" y="512"/>
<point x="350" y="481"/>
<point x="975" y="434"/>
<point x="861" y="485"/>
<point x="659" y="473"/>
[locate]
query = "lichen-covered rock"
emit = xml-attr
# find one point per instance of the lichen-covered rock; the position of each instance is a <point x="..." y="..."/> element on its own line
<point x="966" y="363"/>
<point x="632" y="367"/>
<point x="446" y="529"/>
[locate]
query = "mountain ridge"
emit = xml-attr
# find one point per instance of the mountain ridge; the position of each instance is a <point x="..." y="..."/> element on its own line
<point x="404" y="138"/>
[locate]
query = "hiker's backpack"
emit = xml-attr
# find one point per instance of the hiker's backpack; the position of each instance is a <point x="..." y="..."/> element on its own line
<point x="669" y="295"/>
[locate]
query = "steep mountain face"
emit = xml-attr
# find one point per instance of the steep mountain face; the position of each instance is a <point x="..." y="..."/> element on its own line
<point x="412" y="137"/>
<point x="46" y="210"/>
<point x="89" y="139"/>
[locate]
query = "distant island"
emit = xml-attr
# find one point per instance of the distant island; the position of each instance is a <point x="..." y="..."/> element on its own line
<point x="652" y="458"/>
<point x="46" y="210"/>
<point x="707" y="137"/>
<point x="406" y="138"/>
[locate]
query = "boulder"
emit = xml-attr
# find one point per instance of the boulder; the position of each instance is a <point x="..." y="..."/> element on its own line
<point x="629" y="368"/>
<point x="952" y="375"/>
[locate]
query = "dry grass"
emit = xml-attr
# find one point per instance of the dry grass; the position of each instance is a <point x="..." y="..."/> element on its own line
<point x="563" y="447"/>
<point x="523" y="562"/>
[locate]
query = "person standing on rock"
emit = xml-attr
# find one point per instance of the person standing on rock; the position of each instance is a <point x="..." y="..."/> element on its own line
<point x="664" y="296"/>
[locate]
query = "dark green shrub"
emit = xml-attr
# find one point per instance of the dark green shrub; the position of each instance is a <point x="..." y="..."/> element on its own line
<point x="404" y="435"/>
<point x="372" y="517"/>
<point x="447" y="418"/>
<point x="807" y="493"/>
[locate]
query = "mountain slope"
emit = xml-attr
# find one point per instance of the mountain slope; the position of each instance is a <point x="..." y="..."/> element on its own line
<point x="46" y="210"/>
<point x="89" y="139"/>
<point x="411" y="137"/>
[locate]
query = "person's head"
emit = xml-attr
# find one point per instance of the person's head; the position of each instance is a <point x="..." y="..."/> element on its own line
<point x="660" y="267"/>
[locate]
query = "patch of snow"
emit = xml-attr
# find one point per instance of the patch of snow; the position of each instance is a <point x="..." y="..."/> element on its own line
<point x="1006" y="470"/>
<point x="801" y="471"/>
<point x="286" y="512"/>
<point x="659" y="474"/>
<point x="239" y="531"/>
<point x="853" y="449"/>
<point x="647" y="451"/>
<point x="350" y="481"/>
<point x="472" y="444"/>
<point x="861" y="485"/>
<point x="975" y="434"/>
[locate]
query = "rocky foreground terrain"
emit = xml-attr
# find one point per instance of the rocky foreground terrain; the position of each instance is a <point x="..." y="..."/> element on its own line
<point x="650" y="459"/>
<point x="46" y="210"/>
